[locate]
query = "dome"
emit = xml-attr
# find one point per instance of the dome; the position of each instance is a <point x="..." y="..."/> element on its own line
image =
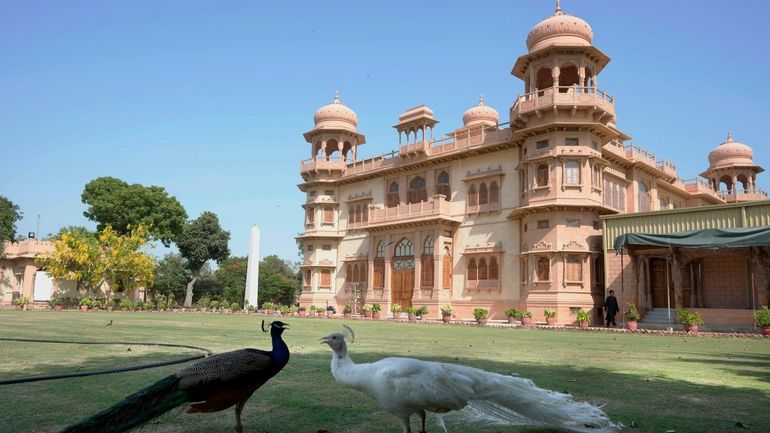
<point x="335" y="116"/>
<point x="561" y="29"/>
<point x="731" y="153"/>
<point x="481" y="115"/>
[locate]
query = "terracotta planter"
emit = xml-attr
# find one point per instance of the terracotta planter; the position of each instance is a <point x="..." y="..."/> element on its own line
<point x="58" y="307"/>
<point x="446" y="319"/>
<point x="631" y="325"/>
<point x="412" y="317"/>
<point x="84" y="308"/>
<point x="766" y="331"/>
<point x="526" y="321"/>
<point x="583" y="325"/>
<point x="550" y="320"/>
<point x="511" y="319"/>
<point x="347" y="315"/>
<point x="481" y="322"/>
<point x="302" y="313"/>
<point x="368" y="314"/>
<point x="376" y="316"/>
<point x="690" y="328"/>
<point x="285" y="313"/>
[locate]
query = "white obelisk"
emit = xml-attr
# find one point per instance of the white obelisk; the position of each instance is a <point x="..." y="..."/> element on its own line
<point x="252" y="270"/>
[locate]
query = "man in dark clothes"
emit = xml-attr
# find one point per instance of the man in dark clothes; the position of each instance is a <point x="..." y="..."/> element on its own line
<point x="611" y="306"/>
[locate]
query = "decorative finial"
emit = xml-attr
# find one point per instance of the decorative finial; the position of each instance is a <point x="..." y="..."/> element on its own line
<point x="558" y="8"/>
<point x="729" y="137"/>
<point x="336" y="97"/>
<point x="481" y="99"/>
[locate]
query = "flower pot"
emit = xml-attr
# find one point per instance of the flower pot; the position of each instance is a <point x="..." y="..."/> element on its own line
<point x="412" y="317"/>
<point x="481" y="322"/>
<point x="690" y="328"/>
<point x="284" y="313"/>
<point x="766" y="331"/>
<point x="302" y="313"/>
<point x="511" y="319"/>
<point x="584" y="325"/>
<point x="19" y="308"/>
<point x="347" y="315"/>
<point x="631" y="325"/>
<point x="526" y="321"/>
<point x="446" y="319"/>
<point x="550" y="321"/>
<point x="368" y="314"/>
<point x="376" y="316"/>
<point x="58" y="307"/>
<point x="84" y="308"/>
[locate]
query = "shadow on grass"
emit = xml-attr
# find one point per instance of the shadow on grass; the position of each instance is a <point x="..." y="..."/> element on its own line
<point x="305" y="398"/>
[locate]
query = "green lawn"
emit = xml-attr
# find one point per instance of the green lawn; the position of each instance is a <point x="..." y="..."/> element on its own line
<point x="690" y="384"/>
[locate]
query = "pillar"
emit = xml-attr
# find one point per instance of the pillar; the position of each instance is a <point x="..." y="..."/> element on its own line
<point x="677" y="277"/>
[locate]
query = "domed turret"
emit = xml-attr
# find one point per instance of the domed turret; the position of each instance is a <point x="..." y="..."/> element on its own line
<point x="481" y="115"/>
<point x="731" y="153"/>
<point x="560" y="29"/>
<point x="336" y="116"/>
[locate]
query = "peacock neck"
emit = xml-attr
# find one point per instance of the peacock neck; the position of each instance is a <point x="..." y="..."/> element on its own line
<point x="280" y="350"/>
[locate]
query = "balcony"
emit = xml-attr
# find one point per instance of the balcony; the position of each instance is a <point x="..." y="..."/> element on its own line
<point x="331" y="165"/>
<point x="699" y="186"/>
<point x="418" y="148"/>
<point x="734" y="196"/>
<point x="572" y="97"/>
<point x="412" y="214"/>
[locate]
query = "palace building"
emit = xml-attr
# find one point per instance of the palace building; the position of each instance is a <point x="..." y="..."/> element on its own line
<point x="494" y="214"/>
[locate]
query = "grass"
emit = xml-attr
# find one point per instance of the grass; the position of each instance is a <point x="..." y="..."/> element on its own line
<point x="690" y="384"/>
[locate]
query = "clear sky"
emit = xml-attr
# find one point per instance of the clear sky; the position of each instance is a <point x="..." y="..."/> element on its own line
<point x="209" y="99"/>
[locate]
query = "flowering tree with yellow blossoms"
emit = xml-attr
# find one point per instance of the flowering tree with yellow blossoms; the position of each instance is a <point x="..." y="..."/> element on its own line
<point x="108" y="257"/>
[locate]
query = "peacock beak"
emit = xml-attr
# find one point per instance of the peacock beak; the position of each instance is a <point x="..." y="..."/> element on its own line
<point x="324" y="340"/>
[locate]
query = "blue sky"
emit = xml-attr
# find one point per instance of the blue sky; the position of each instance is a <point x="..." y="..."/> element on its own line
<point x="209" y="99"/>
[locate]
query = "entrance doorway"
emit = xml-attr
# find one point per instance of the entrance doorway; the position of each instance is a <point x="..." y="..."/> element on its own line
<point x="658" y="269"/>
<point x="402" y="274"/>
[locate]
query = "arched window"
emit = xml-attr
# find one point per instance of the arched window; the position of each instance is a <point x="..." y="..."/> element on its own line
<point x="349" y="273"/>
<point x="543" y="269"/>
<point x="309" y="215"/>
<point x="644" y="198"/>
<point x="379" y="267"/>
<point x="568" y="76"/>
<point x="351" y="214"/>
<point x="417" y="191"/>
<point x="380" y="249"/>
<point x="483" y="194"/>
<point x="393" y="198"/>
<point x="544" y="79"/>
<point x="442" y="185"/>
<point x="404" y="248"/>
<point x="494" y="270"/>
<point x="542" y="175"/>
<point x="472" y="197"/>
<point x="571" y="173"/>
<point x="494" y="192"/>
<point x="427" y="246"/>
<point x="426" y="263"/>
<point x="326" y="278"/>
<point x="355" y="273"/>
<point x="473" y="270"/>
<point x="307" y="277"/>
<point x="483" y="268"/>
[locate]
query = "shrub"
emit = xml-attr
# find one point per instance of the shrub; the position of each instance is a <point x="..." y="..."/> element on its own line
<point x="422" y="311"/>
<point x="583" y="316"/>
<point x="250" y="308"/>
<point x="236" y="306"/>
<point x="395" y="308"/>
<point x="85" y="301"/>
<point x="21" y="301"/>
<point x="126" y="303"/>
<point x="376" y="308"/>
<point x="549" y="312"/>
<point x="268" y="306"/>
<point x="162" y="302"/>
<point x="446" y="310"/>
<point x="632" y="314"/>
<point x="511" y="312"/>
<point x="411" y="310"/>
<point x="347" y="309"/>
<point x="214" y="305"/>
<point x="139" y="304"/>
<point x="284" y="309"/>
<point x="366" y="308"/>
<point x="480" y="313"/>
<point x="96" y="304"/>
<point x="56" y="300"/>
<point x="204" y="302"/>
<point x="149" y="305"/>
<point x="762" y="317"/>
<point x="688" y="317"/>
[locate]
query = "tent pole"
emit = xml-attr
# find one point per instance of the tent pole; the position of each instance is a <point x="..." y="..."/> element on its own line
<point x="668" y="292"/>
<point x="751" y="282"/>
<point x="622" y="285"/>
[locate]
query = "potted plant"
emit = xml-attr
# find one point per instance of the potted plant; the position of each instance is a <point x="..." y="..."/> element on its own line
<point x="583" y="318"/>
<point x="446" y="313"/>
<point x="139" y="305"/>
<point x="56" y="303"/>
<point x="512" y="315"/>
<point x="302" y="311"/>
<point x="367" y="309"/>
<point x="550" y="316"/>
<point x="481" y="314"/>
<point x="21" y="302"/>
<point x="347" y="311"/>
<point x="376" y="311"/>
<point x="330" y="311"/>
<point x="421" y="312"/>
<point x="396" y="310"/>
<point x="762" y="319"/>
<point x="111" y="304"/>
<point x="204" y="303"/>
<point x="126" y="305"/>
<point x="85" y="304"/>
<point x="632" y="317"/>
<point x="689" y="319"/>
<point x="149" y="306"/>
<point x="411" y="313"/>
<point x="96" y="304"/>
<point x="235" y="306"/>
<point x="284" y="309"/>
<point x="525" y="317"/>
<point x="214" y="305"/>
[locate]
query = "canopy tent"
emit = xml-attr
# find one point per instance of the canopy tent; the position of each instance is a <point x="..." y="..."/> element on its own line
<point x="708" y="238"/>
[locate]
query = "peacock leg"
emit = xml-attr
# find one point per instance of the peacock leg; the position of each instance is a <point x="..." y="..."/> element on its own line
<point x="405" y="423"/>
<point x="422" y="417"/>
<point x="238" y="409"/>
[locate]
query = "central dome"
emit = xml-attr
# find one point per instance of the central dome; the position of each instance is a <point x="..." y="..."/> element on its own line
<point x="481" y="115"/>
<point x="731" y="153"/>
<point x="560" y="29"/>
<point x="336" y="116"/>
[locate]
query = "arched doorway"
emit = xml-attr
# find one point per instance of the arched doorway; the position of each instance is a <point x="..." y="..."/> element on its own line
<point x="402" y="274"/>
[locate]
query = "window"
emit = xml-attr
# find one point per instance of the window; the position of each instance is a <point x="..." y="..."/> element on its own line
<point x="597" y="225"/>
<point x="573" y="222"/>
<point x="614" y="194"/>
<point x="542" y="144"/>
<point x="543" y="269"/>
<point x="571" y="173"/>
<point x="379" y="267"/>
<point x="417" y="191"/>
<point x="472" y="196"/>
<point x="329" y="192"/>
<point x="525" y="227"/>
<point x="571" y="141"/>
<point x="473" y="270"/>
<point x="326" y="278"/>
<point x="596" y="177"/>
<point x="442" y="185"/>
<point x="574" y="269"/>
<point x="483" y="269"/>
<point x="494" y="192"/>
<point x="542" y="175"/>
<point x="306" y="276"/>
<point x="595" y="145"/>
<point x="311" y="247"/>
<point x="426" y="264"/>
<point x="483" y="194"/>
<point x="663" y="202"/>
<point x="644" y="198"/>
<point x="328" y="216"/>
<point x="392" y="198"/>
<point x="523" y="270"/>
<point x="542" y="224"/>
<point x="327" y="247"/>
<point x="312" y="193"/>
<point x="351" y="214"/>
<point x="356" y="272"/>
<point x="404" y="248"/>
<point x="309" y="215"/>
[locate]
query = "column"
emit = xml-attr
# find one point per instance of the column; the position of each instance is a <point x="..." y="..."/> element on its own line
<point x="677" y="276"/>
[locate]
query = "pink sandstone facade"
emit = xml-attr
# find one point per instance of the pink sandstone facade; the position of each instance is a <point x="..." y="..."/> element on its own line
<point x="20" y="274"/>
<point x="493" y="215"/>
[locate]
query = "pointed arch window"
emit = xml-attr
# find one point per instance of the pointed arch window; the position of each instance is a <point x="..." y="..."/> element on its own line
<point x="473" y="270"/>
<point x="483" y="269"/>
<point x="442" y="185"/>
<point x="472" y="196"/>
<point x="483" y="194"/>
<point x="404" y="248"/>
<point x="494" y="270"/>
<point x="393" y="198"/>
<point x="417" y="191"/>
<point x="426" y="263"/>
<point x="494" y="192"/>
<point x="543" y="269"/>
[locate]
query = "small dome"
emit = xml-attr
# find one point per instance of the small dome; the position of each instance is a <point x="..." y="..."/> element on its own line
<point x="731" y="153"/>
<point x="561" y="29"/>
<point x="481" y="115"/>
<point x="335" y="116"/>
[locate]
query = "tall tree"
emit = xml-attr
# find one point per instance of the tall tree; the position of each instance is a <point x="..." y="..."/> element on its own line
<point x="171" y="276"/>
<point x="77" y="257"/>
<point x="9" y="214"/>
<point x="277" y="281"/>
<point x="231" y="276"/>
<point x="202" y="239"/>
<point x="113" y="202"/>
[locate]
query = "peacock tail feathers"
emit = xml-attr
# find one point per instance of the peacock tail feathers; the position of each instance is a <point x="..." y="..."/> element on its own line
<point x="135" y="409"/>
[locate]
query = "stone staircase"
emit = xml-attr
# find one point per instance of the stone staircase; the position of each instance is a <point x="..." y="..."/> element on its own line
<point x="659" y="316"/>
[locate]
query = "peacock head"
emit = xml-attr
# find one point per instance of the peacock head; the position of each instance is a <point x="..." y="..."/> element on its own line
<point x="337" y="341"/>
<point x="276" y="328"/>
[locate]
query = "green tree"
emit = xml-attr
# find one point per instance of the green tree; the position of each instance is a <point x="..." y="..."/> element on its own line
<point x="231" y="277"/>
<point x="171" y="276"/>
<point x="70" y="229"/>
<point x="9" y="215"/>
<point x="77" y="257"/>
<point x="278" y="281"/>
<point x="113" y="202"/>
<point x="202" y="239"/>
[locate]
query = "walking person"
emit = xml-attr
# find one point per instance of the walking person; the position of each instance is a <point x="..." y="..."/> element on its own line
<point x="612" y="308"/>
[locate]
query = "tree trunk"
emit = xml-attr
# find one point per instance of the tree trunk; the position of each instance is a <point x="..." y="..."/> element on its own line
<point x="189" y="295"/>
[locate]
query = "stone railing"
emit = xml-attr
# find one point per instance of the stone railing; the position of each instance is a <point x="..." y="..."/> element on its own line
<point x="406" y="212"/>
<point x="743" y="194"/>
<point x="573" y="96"/>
